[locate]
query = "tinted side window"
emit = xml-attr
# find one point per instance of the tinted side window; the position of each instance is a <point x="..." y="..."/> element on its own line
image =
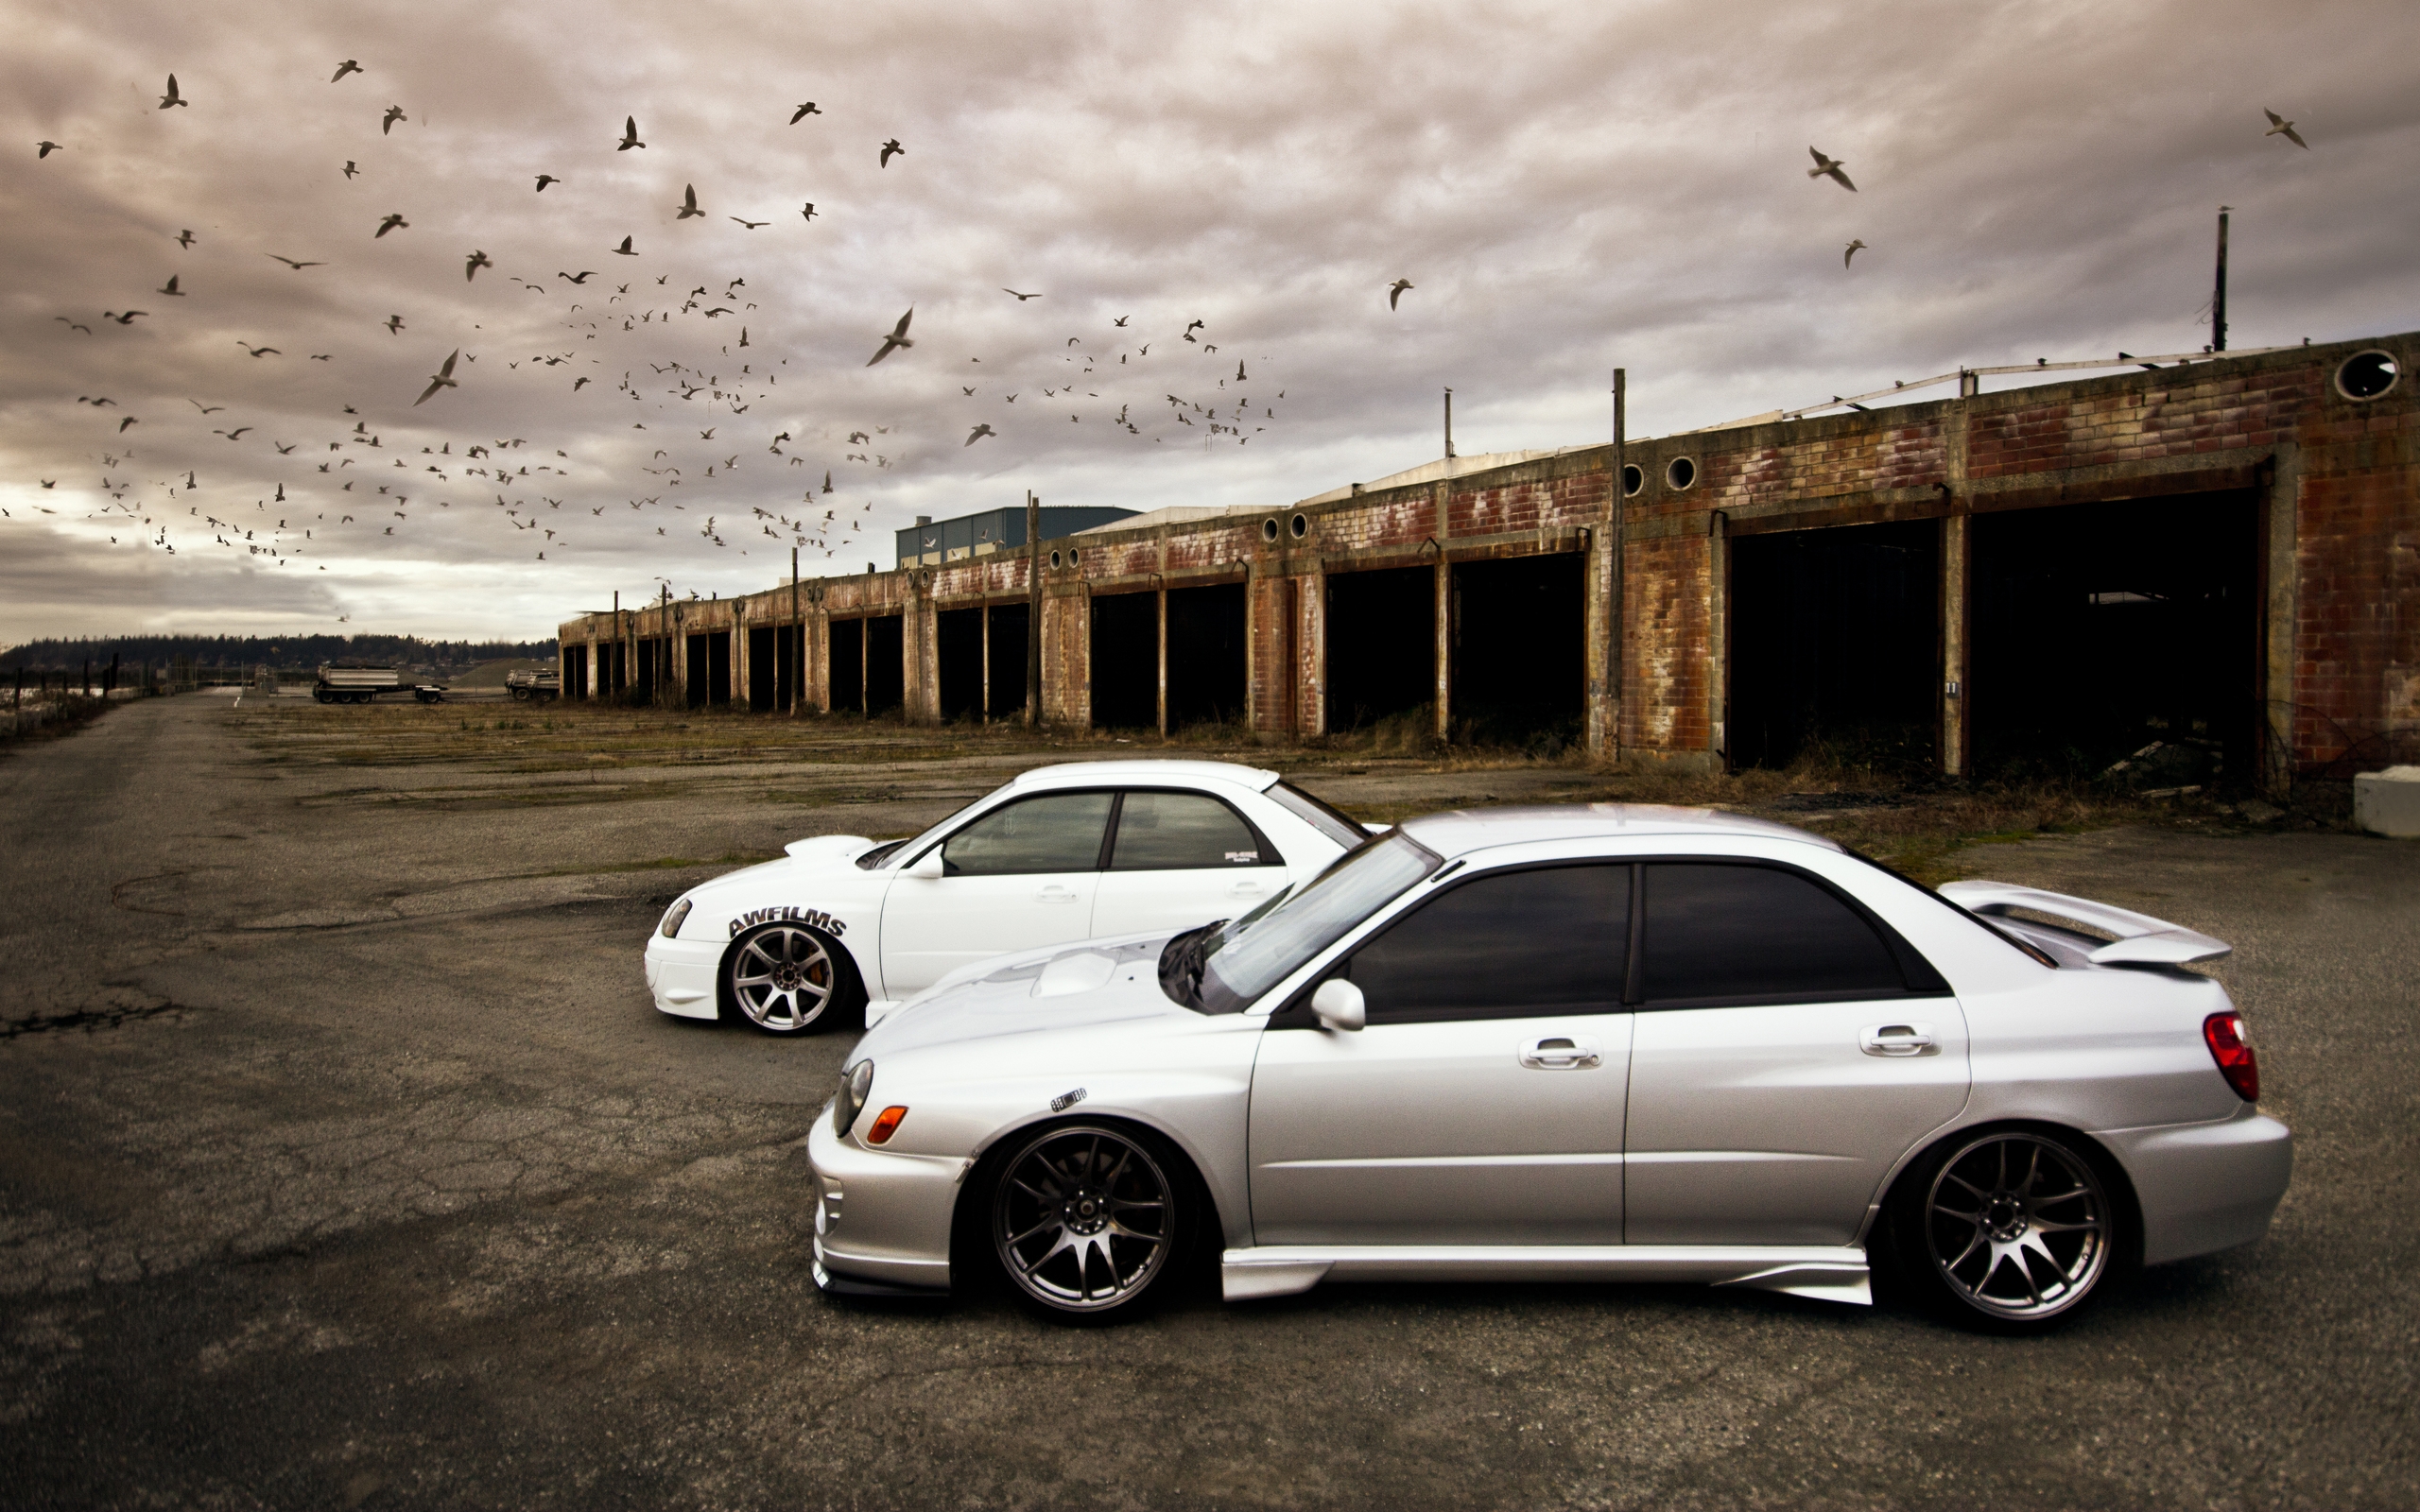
<point x="1514" y="945"/>
<point x="1061" y="832"/>
<point x="1734" y="932"/>
<point x="1168" y="832"/>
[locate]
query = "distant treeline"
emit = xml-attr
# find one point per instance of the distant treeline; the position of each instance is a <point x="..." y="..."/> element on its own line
<point x="252" y="650"/>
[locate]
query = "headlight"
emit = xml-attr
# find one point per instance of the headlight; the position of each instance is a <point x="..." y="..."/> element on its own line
<point x="852" y="1100"/>
<point x="671" y="929"/>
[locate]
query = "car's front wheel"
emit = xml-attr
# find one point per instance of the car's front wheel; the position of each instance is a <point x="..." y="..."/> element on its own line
<point x="1087" y="1221"/>
<point x="2007" y="1230"/>
<point x="786" y="978"/>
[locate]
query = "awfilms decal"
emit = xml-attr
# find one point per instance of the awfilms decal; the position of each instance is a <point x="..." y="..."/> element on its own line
<point x="811" y="917"/>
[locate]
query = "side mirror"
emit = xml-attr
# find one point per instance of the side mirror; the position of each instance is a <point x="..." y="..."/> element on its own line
<point x="929" y="865"/>
<point x="1338" y="1004"/>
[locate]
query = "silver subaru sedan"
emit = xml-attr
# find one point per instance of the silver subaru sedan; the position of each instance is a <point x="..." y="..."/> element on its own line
<point x="1604" y="1043"/>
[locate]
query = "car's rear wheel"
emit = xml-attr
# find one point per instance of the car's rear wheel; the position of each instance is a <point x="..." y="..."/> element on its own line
<point x="1088" y="1222"/>
<point x="786" y="978"/>
<point x="2008" y="1231"/>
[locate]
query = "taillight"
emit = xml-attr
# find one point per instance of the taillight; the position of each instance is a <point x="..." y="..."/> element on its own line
<point x="2232" y="1049"/>
<point x="888" y="1123"/>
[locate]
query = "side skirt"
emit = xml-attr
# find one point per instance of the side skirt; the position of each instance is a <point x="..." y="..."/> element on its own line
<point x="1282" y="1270"/>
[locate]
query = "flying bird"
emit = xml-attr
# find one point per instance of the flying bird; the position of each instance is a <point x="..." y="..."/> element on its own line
<point x="395" y="325"/>
<point x="583" y="277"/>
<point x="127" y="319"/>
<point x="172" y="97"/>
<point x="394" y="113"/>
<point x="546" y="178"/>
<point x="300" y="266"/>
<point x="751" y="225"/>
<point x="629" y="135"/>
<point x="389" y="224"/>
<point x="1121" y="319"/>
<point x="262" y="352"/>
<point x="442" y="378"/>
<point x="1829" y="169"/>
<point x="808" y="213"/>
<point x="170" y="288"/>
<point x="898" y="337"/>
<point x="688" y="205"/>
<point x="1395" y="293"/>
<point x="888" y="148"/>
<point x="804" y="112"/>
<point x="43" y="150"/>
<point x="237" y="434"/>
<point x="124" y="423"/>
<point x="576" y="381"/>
<point x="625" y="251"/>
<point x="350" y="170"/>
<point x="2279" y="125"/>
<point x="72" y="325"/>
<point x="478" y="260"/>
<point x="348" y="66"/>
<point x="1855" y="247"/>
<point x="207" y="409"/>
<point x="1021" y="298"/>
<point x="978" y="433"/>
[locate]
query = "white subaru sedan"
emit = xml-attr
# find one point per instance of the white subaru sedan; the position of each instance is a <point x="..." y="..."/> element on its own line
<point x="1060" y="853"/>
<point x="1610" y="1044"/>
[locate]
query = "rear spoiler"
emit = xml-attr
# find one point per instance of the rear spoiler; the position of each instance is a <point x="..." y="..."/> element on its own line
<point x="2142" y="940"/>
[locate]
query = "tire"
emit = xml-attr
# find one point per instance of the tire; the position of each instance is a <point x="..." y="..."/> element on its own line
<point x="786" y="978"/>
<point x="2008" y="1231"/>
<point x="1090" y="1223"/>
<point x="322" y="696"/>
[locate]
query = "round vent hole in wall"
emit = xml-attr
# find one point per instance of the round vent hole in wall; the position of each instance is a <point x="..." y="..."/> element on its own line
<point x="1269" y="528"/>
<point x="1301" y="526"/>
<point x="2367" y="375"/>
<point x="1681" y="473"/>
<point x="1632" y="479"/>
<point x="1054" y="558"/>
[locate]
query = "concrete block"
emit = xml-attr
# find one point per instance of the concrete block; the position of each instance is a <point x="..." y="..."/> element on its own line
<point x="2388" y="802"/>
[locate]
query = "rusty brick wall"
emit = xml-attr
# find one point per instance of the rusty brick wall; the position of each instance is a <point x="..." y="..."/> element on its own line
<point x="1668" y="680"/>
<point x="1066" y="655"/>
<point x="2356" y="562"/>
<point x="1270" y="610"/>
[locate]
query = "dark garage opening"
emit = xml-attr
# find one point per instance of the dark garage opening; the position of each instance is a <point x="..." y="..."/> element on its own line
<point x="848" y="665"/>
<point x="2100" y="629"/>
<point x="760" y="670"/>
<point x="1520" y="651"/>
<point x="1381" y="644"/>
<point x="1126" y="661"/>
<point x="695" y="675"/>
<point x="886" y="670"/>
<point x="1008" y="660"/>
<point x="1836" y="642"/>
<point x="958" y="647"/>
<point x="1208" y="666"/>
<point x="718" y="668"/>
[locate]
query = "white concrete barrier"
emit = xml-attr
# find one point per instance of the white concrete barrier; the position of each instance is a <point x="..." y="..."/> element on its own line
<point x="2388" y="802"/>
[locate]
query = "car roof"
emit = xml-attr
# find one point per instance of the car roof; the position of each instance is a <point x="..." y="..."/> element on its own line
<point x="1145" y="769"/>
<point x="1461" y="831"/>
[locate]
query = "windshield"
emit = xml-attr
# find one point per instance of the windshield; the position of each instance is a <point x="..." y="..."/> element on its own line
<point x="1322" y="817"/>
<point x="1258" y="950"/>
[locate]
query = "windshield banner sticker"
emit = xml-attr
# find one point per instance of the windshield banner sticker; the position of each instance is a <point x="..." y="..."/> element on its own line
<point x="812" y="919"/>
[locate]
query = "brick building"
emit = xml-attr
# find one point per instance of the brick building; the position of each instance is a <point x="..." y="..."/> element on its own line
<point x="2224" y="552"/>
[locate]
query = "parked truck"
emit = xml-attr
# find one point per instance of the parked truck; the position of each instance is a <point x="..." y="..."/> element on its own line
<point x="527" y="684"/>
<point x="362" y="681"/>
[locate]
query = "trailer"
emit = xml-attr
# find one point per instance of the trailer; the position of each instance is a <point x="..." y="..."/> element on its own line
<point x="363" y="681"/>
<point x="525" y="684"/>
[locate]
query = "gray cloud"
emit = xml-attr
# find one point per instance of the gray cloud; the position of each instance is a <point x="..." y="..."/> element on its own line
<point x="1569" y="187"/>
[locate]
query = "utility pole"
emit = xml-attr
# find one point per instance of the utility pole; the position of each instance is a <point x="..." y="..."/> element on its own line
<point x="2218" y="294"/>
<point x="1449" y="423"/>
<point x="1614" y="526"/>
<point x="798" y="662"/>
<point x="1032" y="609"/>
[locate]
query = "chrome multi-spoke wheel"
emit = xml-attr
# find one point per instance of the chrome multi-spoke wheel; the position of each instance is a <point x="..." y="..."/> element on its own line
<point x="1084" y="1220"/>
<point x="784" y="978"/>
<point x="2016" y="1226"/>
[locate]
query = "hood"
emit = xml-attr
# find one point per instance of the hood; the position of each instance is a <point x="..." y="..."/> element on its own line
<point x="1068" y="987"/>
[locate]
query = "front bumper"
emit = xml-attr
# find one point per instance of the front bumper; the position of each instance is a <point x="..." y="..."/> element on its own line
<point x="2206" y="1187"/>
<point x="879" y="1216"/>
<point x="680" y="976"/>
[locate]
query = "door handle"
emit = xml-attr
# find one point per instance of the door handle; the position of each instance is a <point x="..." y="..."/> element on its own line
<point x="1896" y="1040"/>
<point x="1057" y="894"/>
<point x="1557" y="1053"/>
<point x="1245" y="889"/>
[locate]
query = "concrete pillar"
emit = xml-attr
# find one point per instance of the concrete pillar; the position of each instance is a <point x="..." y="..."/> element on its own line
<point x="1718" y="636"/>
<point x="923" y="650"/>
<point x="2281" y="506"/>
<point x="1163" y="596"/>
<point x="1957" y="584"/>
<point x="1310" y="651"/>
<point x="1444" y="616"/>
<point x="1603" y="635"/>
<point x="983" y="697"/>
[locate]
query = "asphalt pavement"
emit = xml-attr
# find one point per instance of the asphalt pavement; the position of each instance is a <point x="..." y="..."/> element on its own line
<point x="343" y="1162"/>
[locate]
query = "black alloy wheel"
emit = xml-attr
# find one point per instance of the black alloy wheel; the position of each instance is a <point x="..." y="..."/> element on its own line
<point x="1087" y="1222"/>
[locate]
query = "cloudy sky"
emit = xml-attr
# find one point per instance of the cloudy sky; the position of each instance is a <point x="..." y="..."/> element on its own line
<point x="1567" y="188"/>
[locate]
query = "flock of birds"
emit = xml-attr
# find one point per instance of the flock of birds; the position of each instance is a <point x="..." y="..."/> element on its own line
<point x="1216" y="408"/>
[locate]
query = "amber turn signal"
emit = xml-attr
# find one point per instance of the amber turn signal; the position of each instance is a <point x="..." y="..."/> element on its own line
<point x="885" y="1125"/>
